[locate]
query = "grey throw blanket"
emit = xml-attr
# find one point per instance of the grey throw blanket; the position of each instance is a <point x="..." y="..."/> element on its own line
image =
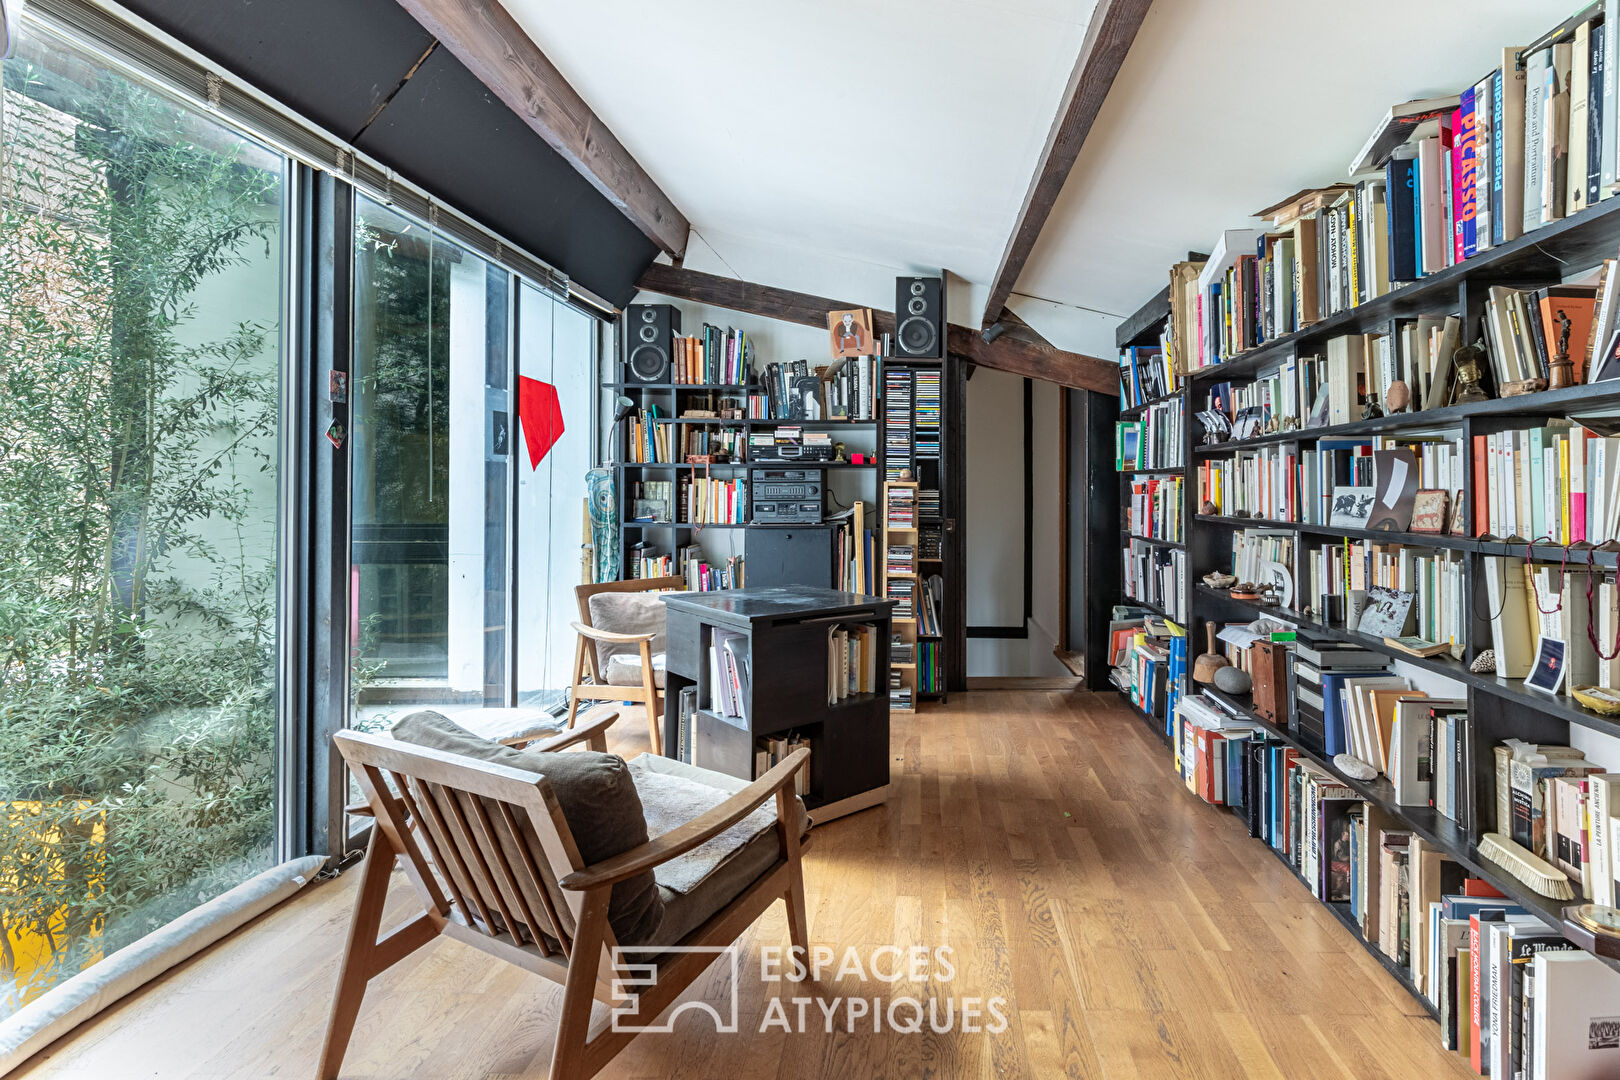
<point x="668" y="802"/>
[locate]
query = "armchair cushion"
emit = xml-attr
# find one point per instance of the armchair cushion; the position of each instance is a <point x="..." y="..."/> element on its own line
<point x="697" y="885"/>
<point x="598" y="799"/>
<point x="626" y="613"/>
<point x="624" y="669"/>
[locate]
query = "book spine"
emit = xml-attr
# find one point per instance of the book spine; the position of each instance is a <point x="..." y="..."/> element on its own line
<point x="1467" y="170"/>
<point x="1598" y="103"/>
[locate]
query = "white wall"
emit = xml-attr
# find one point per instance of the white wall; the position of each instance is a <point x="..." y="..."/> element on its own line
<point x="994" y="528"/>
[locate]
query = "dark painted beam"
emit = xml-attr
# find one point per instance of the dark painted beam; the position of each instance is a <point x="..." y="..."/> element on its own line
<point x="1018" y="349"/>
<point x="1108" y="38"/>
<point x="485" y="38"/>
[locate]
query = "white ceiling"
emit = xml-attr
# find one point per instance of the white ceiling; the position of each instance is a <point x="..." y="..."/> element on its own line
<point x="827" y="146"/>
<point x="1224" y="108"/>
<point x="900" y="134"/>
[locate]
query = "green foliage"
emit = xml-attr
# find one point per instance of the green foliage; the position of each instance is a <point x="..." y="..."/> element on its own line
<point x="137" y="603"/>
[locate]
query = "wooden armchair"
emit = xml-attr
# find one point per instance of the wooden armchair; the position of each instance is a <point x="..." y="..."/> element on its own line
<point x="436" y="810"/>
<point x="591" y="681"/>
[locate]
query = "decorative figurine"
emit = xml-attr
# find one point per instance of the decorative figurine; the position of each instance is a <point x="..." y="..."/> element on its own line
<point x="1371" y="411"/>
<point x="1484" y="663"/>
<point x="1469" y="361"/>
<point x="1561" y="369"/>
<point x="1207" y="508"/>
<point x="1399" y="396"/>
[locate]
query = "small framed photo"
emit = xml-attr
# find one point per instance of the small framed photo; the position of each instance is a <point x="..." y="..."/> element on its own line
<point x="1352" y="506"/>
<point x="1429" y="512"/>
<point x="1548" y="674"/>
<point x="1457" y="525"/>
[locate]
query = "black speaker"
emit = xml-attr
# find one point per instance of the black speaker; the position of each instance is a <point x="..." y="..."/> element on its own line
<point x="649" y="330"/>
<point x="919" y="318"/>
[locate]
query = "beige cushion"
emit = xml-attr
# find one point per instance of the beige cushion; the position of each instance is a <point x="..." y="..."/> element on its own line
<point x="598" y="800"/>
<point x="626" y="613"/>
<point x="686" y="911"/>
<point x="500" y="725"/>
<point x="625" y="670"/>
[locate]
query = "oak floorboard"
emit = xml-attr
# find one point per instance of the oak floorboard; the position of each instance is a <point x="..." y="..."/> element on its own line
<point x="1134" y="932"/>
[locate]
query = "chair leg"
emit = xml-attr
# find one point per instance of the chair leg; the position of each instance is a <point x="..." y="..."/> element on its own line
<point x="798" y="926"/>
<point x="579" y="677"/>
<point x="356" y="970"/>
<point x="649" y="692"/>
<point x="568" y="1055"/>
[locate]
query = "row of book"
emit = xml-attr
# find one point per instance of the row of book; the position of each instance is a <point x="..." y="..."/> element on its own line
<point x="713" y="356"/>
<point x="730" y="687"/>
<point x="1157" y="576"/>
<point x="1533" y="603"/>
<point x="1154" y="441"/>
<point x="930" y="667"/>
<point x="1145" y="375"/>
<point x="1558" y="482"/>
<point x="772" y="750"/>
<point x="854" y="550"/>
<point x="697" y="500"/>
<point x="690" y="563"/>
<point x="1156" y="508"/>
<point x="844" y="389"/>
<point x="852" y="655"/>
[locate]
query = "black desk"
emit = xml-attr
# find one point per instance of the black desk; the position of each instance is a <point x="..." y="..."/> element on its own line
<point x="786" y="631"/>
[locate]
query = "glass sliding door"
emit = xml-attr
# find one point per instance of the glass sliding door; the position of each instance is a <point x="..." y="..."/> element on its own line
<point x="142" y="273"/>
<point x="556" y="346"/>
<point x="431" y="439"/>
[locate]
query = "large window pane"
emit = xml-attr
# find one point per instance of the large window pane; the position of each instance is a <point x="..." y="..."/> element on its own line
<point x="556" y="347"/>
<point x="430" y="446"/>
<point x="141" y="263"/>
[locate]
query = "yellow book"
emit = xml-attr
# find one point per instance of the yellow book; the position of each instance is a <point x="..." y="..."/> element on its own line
<point x="1563" y="490"/>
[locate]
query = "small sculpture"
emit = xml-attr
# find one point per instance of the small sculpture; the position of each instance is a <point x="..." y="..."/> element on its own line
<point x="1207" y="508"/>
<point x="1215" y="579"/>
<point x="1484" y="663"/>
<point x="1469" y="362"/>
<point x="1561" y="369"/>
<point x="1398" y="396"/>
<point x="1371" y="411"/>
<point x="1354" y="767"/>
<point x="1233" y="680"/>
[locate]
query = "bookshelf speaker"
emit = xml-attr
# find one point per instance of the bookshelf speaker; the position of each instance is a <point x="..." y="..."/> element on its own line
<point x="649" y="331"/>
<point x="919" y="318"/>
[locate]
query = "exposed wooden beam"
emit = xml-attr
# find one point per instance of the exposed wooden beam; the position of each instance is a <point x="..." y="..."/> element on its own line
<point x="1018" y="350"/>
<point x="483" y="36"/>
<point x="1108" y="38"/>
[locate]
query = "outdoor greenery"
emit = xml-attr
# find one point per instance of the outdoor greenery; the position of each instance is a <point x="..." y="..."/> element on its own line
<point x="137" y="601"/>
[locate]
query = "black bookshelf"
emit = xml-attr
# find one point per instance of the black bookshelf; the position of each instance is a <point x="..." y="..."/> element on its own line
<point x="1498" y="708"/>
<point x="950" y="565"/>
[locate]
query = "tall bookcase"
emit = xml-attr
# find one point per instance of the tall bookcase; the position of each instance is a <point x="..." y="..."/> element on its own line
<point x="919" y="433"/>
<point x="1498" y="708"/>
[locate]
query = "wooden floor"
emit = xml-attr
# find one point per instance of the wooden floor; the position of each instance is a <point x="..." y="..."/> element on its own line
<point x="1132" y="930"/>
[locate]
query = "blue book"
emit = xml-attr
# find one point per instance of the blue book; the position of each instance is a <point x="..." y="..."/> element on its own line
<point x="1417" y="225"/>
<point x="1399" y="202"/>
<point x="1333" y="737"/>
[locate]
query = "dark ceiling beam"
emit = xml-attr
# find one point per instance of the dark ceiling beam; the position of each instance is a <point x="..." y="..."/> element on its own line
<point x="1018" y="350"/>
<point x="485" y="38"/>
<point x="1109" y="35"/>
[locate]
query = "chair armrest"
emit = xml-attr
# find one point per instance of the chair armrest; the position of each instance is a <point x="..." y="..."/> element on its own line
<point x="700" y="830"/>
<point x="360" y="809"/>
<point x="608" y="635"/>
<point x="591" y="731"/>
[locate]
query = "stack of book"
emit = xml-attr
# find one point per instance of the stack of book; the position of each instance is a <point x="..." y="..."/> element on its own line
<point x="1320" y="669"/>
<point x="1157" y="576"/>
<point x="1144" y="375"/>
<point x="713" y="356"/>
<point x="773" y="750"/>
<point x="1155" y="508"/>
<point x="709" y="501"/>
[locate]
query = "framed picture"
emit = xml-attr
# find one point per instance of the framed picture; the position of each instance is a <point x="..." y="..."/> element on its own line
<point x="851" y="332"/>
<point x="1351" y="507"/>
<point x="1397" y="472"/>
<point x="1386" y="612"/>
<point x="1429" y="512"/>
<point x="1548" y="674"/>
<point x="1458" y="523"/>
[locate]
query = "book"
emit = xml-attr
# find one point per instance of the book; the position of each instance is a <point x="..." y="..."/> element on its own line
<point x="1575" y="1026"/>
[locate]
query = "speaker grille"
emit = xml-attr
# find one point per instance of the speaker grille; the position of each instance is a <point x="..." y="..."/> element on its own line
<point x="648" y="363"/>
<point x="917" y="336"/>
